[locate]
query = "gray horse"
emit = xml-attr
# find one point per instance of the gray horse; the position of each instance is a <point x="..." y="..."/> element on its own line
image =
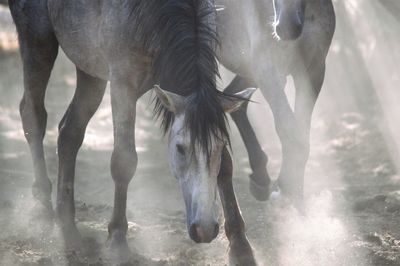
<point x="263" y="42"/>
<point x="134" y="44"/>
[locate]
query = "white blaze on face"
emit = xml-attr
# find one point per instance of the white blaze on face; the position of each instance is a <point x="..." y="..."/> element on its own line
<point x="196" y="174"/>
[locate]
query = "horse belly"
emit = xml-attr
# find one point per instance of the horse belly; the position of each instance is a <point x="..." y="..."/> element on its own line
<point x="77" y="25"/>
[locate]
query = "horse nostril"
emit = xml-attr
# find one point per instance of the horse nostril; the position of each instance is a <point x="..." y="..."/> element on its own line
<point x="193" y="232"/>
<point x="200" y="233"/>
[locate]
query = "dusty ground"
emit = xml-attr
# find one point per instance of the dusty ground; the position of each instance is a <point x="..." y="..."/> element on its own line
<point x="352" y="187"/>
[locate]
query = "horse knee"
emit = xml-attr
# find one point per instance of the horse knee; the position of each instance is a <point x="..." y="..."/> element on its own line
<point x="123" y="164"/>
<point x="34" y="119"/>
<point x="70" y="140"/>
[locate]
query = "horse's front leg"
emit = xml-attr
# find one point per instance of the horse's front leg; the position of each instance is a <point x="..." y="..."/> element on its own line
<point x="123" y="161"/>
<point x="308" y="83"/>
<point x="290" y="134"/>
<point x="85" y="102"/>
<point x="259" y="179"/>
<point x="240" y="251"/>
<point x="293" y="127"/>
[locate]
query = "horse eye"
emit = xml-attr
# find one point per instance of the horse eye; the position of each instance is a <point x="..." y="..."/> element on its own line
<point x="180" y="149"/>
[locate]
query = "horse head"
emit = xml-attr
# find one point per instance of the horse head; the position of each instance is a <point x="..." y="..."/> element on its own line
<point x="197" y="167"/>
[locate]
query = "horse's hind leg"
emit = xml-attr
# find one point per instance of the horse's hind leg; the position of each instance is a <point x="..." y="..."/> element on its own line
<point x="289" y="131"/>
<point x="39" y="48"/>
<point x="259" y="179"/>
<point x="240" y="252"/>
<point x="86" y="100"/>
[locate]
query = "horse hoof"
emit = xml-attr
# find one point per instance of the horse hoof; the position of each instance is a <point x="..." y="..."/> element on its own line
<point x="117" y="248"/>
<point x="242" y="261"/>
<point x="241" y="254"/>
<point x="43" y="210"/>
<point x="276" y="193"/>
<point x="72" y="238"/>
<point x="259" y="191"/>
<point x="42" y="218"/>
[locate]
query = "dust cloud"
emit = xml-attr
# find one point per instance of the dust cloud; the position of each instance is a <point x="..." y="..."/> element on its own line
<point x="352" y="183"/>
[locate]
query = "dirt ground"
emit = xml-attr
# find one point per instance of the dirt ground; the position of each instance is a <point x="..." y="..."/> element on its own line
<point x="352" y="209"/>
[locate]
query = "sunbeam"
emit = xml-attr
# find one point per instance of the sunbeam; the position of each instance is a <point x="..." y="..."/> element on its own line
<point x="351" y="209"/>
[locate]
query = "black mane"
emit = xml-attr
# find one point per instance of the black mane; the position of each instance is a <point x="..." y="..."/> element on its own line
<point x="182" y="34"/>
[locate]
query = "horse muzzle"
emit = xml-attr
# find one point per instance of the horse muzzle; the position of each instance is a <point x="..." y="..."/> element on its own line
<point x="201" y="232"/>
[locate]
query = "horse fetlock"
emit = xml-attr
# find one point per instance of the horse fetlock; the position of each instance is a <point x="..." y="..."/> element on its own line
<point x="260" y="185"/>
<point x="119" y="227"/>
<point x="241" y="252"/>
<point x="293" y="189"/>
<point x="293" y="169"/>
<point x="258" y="159"/>
<point x="117" y="249"/>
<point x="70" y="233"/>
<point x="117" y="236"/>
<point x="41" y="190"/>
<point x="117" y="244"/>
<point x="43" y="211"/>
<point x="43" y="183"/>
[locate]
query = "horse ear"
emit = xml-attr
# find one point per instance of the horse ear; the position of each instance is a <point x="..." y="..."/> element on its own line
<point x="232" y="104"/>
<point x="173" y="102"/>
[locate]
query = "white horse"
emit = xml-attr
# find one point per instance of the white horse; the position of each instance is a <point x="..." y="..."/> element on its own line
<point x="263" y="42"/>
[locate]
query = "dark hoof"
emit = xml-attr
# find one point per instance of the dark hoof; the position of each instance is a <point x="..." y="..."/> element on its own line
<point x="117" y="249"/>
<point x="43" y="210"/>
<point x="260" y="190"/>
<point x="72" y="238"/>
<point x="241" y="253"/>
<point x="42" y="218"/>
